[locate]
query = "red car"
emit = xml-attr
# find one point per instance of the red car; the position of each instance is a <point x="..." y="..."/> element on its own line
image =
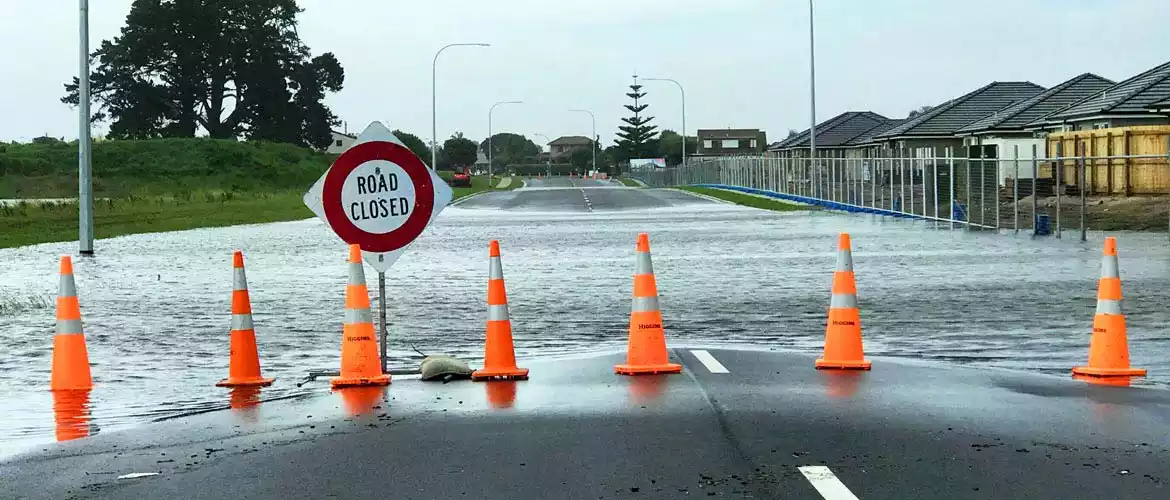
<point x="462" y="178"/>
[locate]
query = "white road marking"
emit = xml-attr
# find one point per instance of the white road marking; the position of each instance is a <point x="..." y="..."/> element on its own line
<point x="713" y="365"/>
<point x="136" y="475"/>
<point x="588" y="204"/>
<point x="826" y="483"/>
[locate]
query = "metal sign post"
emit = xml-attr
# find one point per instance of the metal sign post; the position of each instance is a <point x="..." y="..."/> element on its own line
<point x="382" y="317"/>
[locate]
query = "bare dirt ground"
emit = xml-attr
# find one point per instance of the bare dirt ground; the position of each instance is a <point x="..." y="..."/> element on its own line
<point x="1113" y="213"/>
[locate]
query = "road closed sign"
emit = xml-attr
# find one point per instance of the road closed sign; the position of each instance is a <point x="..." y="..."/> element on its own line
<point x="378" y="195"/>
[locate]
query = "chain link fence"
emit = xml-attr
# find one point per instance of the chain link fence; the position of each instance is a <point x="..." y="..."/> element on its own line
<point x="1019" y="191"/>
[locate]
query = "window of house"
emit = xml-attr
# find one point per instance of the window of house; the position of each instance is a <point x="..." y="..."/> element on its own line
<point x="707" y="144"/>
<point x="729" y="144"/>
<point x="338" y="143"/>
<point x="1097" y="126"/>
<point x="753" y="143"/>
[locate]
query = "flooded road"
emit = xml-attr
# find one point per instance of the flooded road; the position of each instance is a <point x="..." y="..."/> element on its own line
<point x="156" y="307"/>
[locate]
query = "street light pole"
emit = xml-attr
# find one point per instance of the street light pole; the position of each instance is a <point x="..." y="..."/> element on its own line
<point x="434" y="72"/>
<point x="84" y="141"/>
<point x="812" y="83"/>
<point x="592" y="140"/>
<point x="489" y="140"/>
<point x="683" y="93"/>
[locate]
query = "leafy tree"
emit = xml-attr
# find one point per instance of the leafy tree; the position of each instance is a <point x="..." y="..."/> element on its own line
<point x="234" y="68"/>
<point x="670" y="146"/>
<point x="581" y="158"/>
<point x="509" y="148"/>
<point x="636" y="139"/>
<point x="920" y="110"/>
<point x="416" y="146"/>
<point x="792" y="133"/>
<point x="459" y="151"/>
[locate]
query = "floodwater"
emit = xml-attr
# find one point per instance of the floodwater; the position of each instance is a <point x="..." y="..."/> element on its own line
<point x="156" y="307"/>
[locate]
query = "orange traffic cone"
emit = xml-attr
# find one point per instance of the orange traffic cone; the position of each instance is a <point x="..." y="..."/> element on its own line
<point x="499" y="360"/>
<point x="646" y="352"/>
<point x="843" y="331"/>
<point x="359" y="349"/>
<point x="1108" y="347"/>
<point x="245" y="361"/>
<point x="70" y="369"/>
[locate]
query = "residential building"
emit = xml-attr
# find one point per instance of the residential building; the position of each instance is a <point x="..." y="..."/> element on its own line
<point x="833" y="135"/>
<point x="866" y="145"/>
<point x="340" y="142"/>
<point x="1162" y="106"/>
<point x="731" y="141"/>
<point x="1121" y="105"/>
<point x="1004" y="132"/>
<point x="936" y="128"/>
<point x="566" y="144"/>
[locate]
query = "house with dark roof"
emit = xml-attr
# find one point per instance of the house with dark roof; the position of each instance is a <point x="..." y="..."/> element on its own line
<point x="1122" y="105"/>
<point x="833" y="135"/>
<point x="866" y="145"/>
<point x="1005" y="130"/>
<point x="731" y="141"/>
<point x="937" y="127"/>
<point x="1162" y="106"/>
<point x="566" y="144"/>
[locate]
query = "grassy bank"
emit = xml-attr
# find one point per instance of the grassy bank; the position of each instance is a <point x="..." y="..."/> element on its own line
<point x="159" y="185"/>
<point x="159" y="167"/>
<point x="746" y="200"/>
<point x="629" y="182"/>
<point x="28" y="223"/>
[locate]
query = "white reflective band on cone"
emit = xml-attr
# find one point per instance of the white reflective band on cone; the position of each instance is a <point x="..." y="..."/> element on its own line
<point x="843" y="301"/>
<point x="354" y="316"/>
<point x="1108" y="306"/>
<point x="645" y="304"/>
<point x="498" y="313"/>
<point x="644" y="266"/>
<point x="239" y="281"/>
<point x="242" y="322"/>
<point x="65" y="326"/>
<point x="67" y="288"/>
<point x="1109" y="267"/>
<point x="357" y="276"/>
<point x="844" y="260"/>
<point x="495" y="269"/>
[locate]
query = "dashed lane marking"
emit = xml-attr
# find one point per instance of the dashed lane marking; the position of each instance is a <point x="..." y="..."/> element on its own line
<point x="588" y="204"/>
<point x="713" y="365"/>
<point x="826" y="483"/>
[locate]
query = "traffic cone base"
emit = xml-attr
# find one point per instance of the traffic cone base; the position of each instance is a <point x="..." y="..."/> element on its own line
<point x="360" y="381"/>
<point x="822" y="364"/>
<point x="500" y="374"/>
<point x="624" y="369"/>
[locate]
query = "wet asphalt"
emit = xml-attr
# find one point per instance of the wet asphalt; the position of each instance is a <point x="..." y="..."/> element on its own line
<point x="904" y="431"/>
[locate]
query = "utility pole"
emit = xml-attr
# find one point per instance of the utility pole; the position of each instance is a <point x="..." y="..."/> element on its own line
<point x="84" y="140"/>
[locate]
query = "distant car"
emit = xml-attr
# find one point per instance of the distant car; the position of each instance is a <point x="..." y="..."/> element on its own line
<point x="462" y="178"/>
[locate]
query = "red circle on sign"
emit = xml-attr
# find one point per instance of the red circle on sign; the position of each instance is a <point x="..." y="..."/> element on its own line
<point x="424" y="196"/>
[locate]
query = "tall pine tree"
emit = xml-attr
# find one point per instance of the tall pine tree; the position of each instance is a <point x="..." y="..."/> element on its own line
<point x="636" y="137"/>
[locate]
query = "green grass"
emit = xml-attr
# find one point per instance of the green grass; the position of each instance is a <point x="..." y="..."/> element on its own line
<point x="746" y="200"/>
<point x="629" y="182"/>
<point x="32" y="223"/>
<point x="159" y="167"/>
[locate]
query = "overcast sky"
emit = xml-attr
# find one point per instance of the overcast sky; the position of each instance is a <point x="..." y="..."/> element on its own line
<point x="744" y="63"/>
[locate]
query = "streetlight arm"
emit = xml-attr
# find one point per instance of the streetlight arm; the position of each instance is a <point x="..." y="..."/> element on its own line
<point x="683" y="93"/>
<point x="434" y="99"/>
